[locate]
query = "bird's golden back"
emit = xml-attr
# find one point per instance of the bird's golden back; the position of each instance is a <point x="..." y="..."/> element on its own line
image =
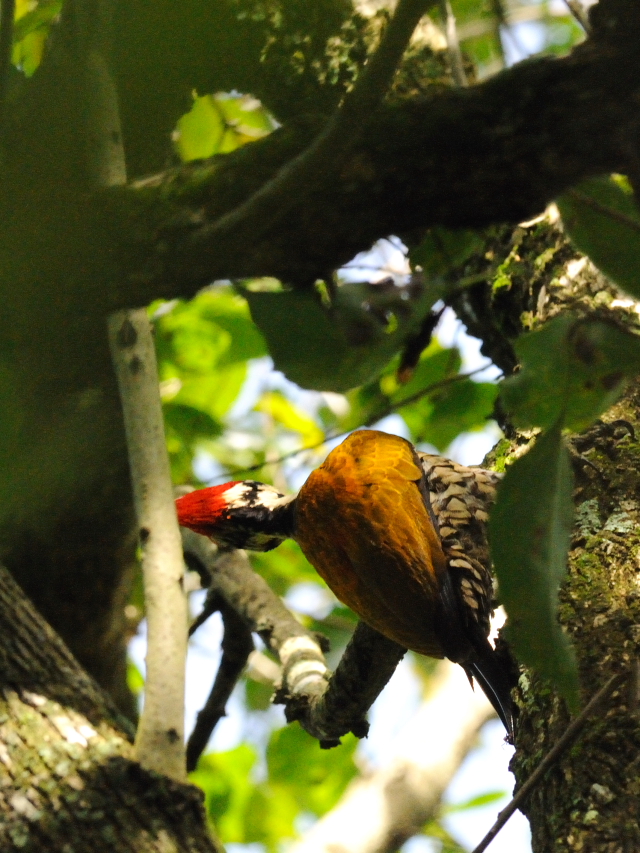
<point x="363" y="523"/>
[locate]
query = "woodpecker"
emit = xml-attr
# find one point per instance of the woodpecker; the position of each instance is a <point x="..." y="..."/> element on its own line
<point x="399" y="536"/>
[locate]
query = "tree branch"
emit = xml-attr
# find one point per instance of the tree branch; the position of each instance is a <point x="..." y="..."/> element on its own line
<point x="272" y="201"/>
<point x="160" y="736"/>
<point x="381" y="810"/>
<point x="453" y="45"/>
<point x="496" y="152"/>
<point x="237" y="645"/>
<point x="326" y="706"/>
<point x="159" y="741"/>
<point x="67" y="760"/>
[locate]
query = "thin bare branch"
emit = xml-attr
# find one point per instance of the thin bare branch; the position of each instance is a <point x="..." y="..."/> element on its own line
<point x="160" y="736"/>
<point x="377" y="416"/>
<point x="327" y="706"/>
<point x="453" y="44"/>
<point x="237" y="645"/>
<point x="554" y="754"/>
<point x="159" y="740"/>
<point x="580" y="14"/>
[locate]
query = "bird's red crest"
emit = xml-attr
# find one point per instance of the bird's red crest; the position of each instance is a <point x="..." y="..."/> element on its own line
<point x="200" y="510"/>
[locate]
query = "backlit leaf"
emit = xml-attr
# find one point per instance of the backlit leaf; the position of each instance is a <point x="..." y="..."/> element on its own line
<point x="603" y="220"/>
<point x="442" y="249"/>
<point x="218" y="124"/>
<point x="571" y="368"/>
<point x="291" y="417"/>
<point x="317" y="776"/>
<point x="460" y="407"/>
<point x="530" y="531"/>
<point x="341" y="348"/>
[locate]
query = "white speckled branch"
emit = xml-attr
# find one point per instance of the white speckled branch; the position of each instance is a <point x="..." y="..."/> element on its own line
<point x="160" y="736"/>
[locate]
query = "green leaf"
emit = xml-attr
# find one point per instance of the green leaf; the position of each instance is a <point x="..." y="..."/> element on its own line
<point x="135" y="679"/>
<point x="30" y="32"/>
<point x="372" y="401"/>
<point x="203" y="346"/>
<point x="218" y="124"/>
<point x="258" y="695"/>
<point x="316" y="776"/>
<point x="448" y="844"/>
<point x="225" y="778"/>
<point x="477" y="802"/>
<point x="463" y="406"/>
<point x="530" y="532"/>
<point x="30" y="18"/>
<point x="338" y="349"/>
<point x="571" y="368"/>
<point x="603" y="220"/>
<point x="291" y="417"/>
<point x="191" y="423"/>
<point x="284" y="567"/>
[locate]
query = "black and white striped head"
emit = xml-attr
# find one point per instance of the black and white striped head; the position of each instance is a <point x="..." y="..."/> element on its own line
<point x="243" y="514"/>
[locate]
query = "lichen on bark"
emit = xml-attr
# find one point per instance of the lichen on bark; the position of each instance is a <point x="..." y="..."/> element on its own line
<point x="588" y="802"/>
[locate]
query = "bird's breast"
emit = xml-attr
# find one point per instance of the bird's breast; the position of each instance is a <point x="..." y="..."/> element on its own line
<point x="362" y="522"/>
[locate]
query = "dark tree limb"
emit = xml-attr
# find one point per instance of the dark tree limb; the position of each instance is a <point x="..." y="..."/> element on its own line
<point x="237" y="645"/>
<point x="496" y="152"/>
<point x="272" y="202"/>
<point x="327" y="706"/>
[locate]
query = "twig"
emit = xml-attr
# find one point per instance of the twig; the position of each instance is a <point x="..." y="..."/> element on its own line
<point x="327" y="706"/>
<point x="237" y="645"/>
<point x="211" y="606"/>
<point x="504" y="20"/>
<point x="412" y="398"/>
<point x="453" y="44"/>
<point x="579" y="13"/>
<point x="499" y="19"/>
<point x="571" y="733"/>
<point x="587" y="200"/>
<point x="252" y="598"/>
<point x="7" y="13"/>
<point x="273" y="200"/>
<point x="382" y="413"/>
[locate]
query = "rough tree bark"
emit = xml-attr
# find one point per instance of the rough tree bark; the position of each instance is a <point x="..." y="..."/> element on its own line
<point x="68" y="778"/>
<point x="587" y="803"/>
<point x="499" y="151"/>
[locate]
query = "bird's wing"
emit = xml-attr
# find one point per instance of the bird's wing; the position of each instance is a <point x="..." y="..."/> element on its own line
<point x="461" y="498"/>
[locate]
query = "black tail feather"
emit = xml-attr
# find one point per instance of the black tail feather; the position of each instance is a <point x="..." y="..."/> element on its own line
<point x="490" y="674"/>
